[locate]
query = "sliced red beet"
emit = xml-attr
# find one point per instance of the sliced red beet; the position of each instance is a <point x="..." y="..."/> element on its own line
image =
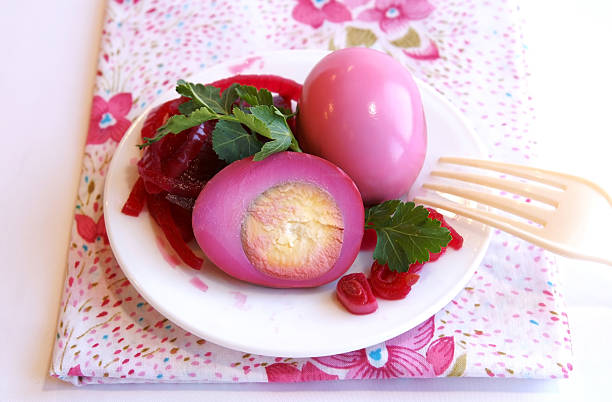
<point x="368" y="242"/>
<point x="416" y="267"/>
<point x="178" y="161"/>
<point x="158" y="151"/>
<point x="169" y="145"/>
<point x="178" y="186"/>
<point x="136" y="200"/>
<point x="205" y="163"/>
<point x="435" y="256"/>
<point x="457" y="240"/>
<point x="282" y="86"/>
<point x="160" y="210"/>
<point x="182" y="219"/>
<point x="355" y="294"/>
<point x="158" y="116"/>
<point x="282" y="102"/>
<point x="183" y="202"/>
<point x="433" y="214"/>
<point x="389" y="284"/>
<point x="150" y="161"/>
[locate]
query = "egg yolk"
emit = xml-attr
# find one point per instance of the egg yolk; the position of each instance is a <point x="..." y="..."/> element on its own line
<point x="293" y="231"/>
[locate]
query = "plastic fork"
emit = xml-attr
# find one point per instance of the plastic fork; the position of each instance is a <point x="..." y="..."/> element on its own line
<point x="561" y="213"/>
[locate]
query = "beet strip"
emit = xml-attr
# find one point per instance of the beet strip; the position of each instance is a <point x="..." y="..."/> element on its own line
<point x="175" y="186"/>
<point x="136" y="200"/>
<point x="160" y="210"/>
<point x="283" y="86"/>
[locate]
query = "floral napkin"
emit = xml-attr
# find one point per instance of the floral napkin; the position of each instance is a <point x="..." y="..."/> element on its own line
<point x="509" y="321"/>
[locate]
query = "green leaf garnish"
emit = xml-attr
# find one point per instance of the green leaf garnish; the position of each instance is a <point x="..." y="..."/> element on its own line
<point x="201" y="95"/>
<point x="405" y="234"/>
<point x="234" y="136"/>
<point x="252" y="122"/>
<point x="380" y="213"/>
<point x="187" y="108"/>
<point x="180" y="122"/>
<point x="232" y="142"/>
<point x="255" y="97"/>
<point x="276" y="121"/>
<point x="228" y="97"/>
<point x="272" y="147"/>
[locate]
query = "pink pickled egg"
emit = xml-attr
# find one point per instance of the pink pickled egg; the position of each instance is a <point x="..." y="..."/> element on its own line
<point x="361" y="110"/>
<point x="291" y="220"/>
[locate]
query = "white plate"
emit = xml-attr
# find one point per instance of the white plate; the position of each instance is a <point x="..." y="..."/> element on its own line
<point x="279" y="322"/>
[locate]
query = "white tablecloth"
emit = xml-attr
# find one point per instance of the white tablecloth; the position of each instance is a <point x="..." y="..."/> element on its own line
<point x="46" y="75"/>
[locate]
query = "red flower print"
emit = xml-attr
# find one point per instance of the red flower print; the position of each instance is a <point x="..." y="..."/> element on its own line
<point x="315" y="12"/>
<point x="108" y="118"/>
<point x="90" y="230"/>
<point x="398" y="357"/>
<point x="392" y="15"/>
<point x="284" y="372"/>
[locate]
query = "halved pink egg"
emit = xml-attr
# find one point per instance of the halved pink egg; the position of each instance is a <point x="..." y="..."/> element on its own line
<point x="291" y="220"/>
<point x="361" y="110"/>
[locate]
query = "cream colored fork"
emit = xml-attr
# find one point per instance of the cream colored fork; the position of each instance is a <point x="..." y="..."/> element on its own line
<point x="572" y="225"/>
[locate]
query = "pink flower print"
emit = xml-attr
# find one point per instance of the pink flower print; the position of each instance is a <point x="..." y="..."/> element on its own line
<point x="355" y="3"/>
<point x="284" y="372"/>
<point x="429" y="52"/>
<point x="392" y="15"/>
<point x="398" y="357"/>
<point x="417" y="337"/>
<point x="440" y="354"/>
<point x="380" y="361"/>
<point x="315" y="12"/>
<point x="108" y="118"/>
<point x="75" y="371"/>
<point x="90" y="230"/>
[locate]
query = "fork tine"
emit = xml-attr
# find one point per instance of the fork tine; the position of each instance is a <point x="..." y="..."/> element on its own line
<point x="539" y="193"/>
<point x="521" y="209"/>
<point x="504" y="223"/>
<point x="519" y="229"/>
<point x="539" y="175"/>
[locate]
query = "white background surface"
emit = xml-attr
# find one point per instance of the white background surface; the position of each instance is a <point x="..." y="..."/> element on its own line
<point x="48" y="52"/>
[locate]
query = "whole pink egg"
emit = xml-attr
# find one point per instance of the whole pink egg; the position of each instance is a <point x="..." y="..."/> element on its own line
<point x="361" y="110"/>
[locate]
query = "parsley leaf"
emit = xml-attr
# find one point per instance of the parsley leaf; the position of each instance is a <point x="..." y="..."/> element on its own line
<point x="252" y="122"/>
<point x="201" y="95"/>
<point x="235" y="135"/>
<point x="187" y="108"/>
<point x="277" y="123"/>
<point x="380" y="213"/>
<point x="254" y="97"/>
<point x="180" y="122"/>
<point x="228" y="97"/>
<point x="232" y="142"/>
<point x="405" y="234"/>
<point x="272" y="147"/>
